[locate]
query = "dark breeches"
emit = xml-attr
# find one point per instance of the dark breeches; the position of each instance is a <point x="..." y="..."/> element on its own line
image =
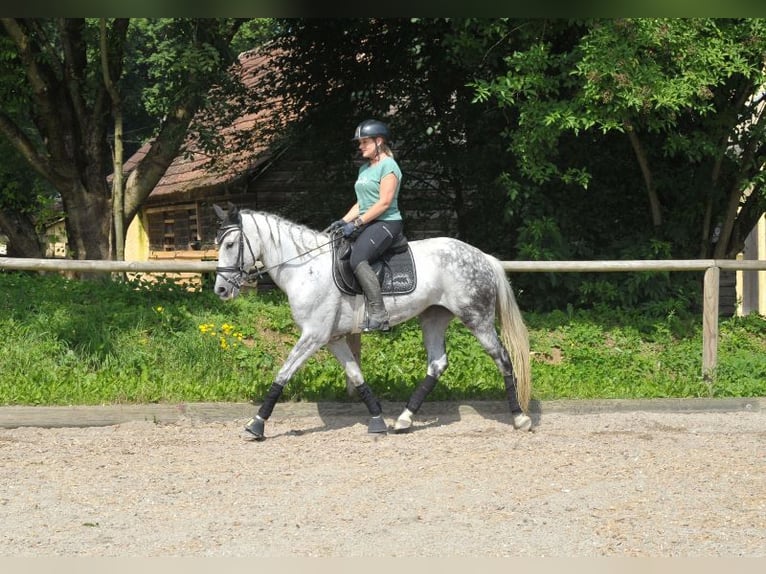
<point x="373" y="241"/>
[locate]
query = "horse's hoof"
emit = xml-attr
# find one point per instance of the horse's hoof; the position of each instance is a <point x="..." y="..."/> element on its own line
<point x="521" y="422"/>
<point x="377" y="425"/>
<point x="404" y="422"/>
<point x="401" y="426"/>
<point x="254" y="429"/>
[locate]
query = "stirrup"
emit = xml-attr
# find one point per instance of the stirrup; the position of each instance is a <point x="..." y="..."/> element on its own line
<point x="375" y="325"/>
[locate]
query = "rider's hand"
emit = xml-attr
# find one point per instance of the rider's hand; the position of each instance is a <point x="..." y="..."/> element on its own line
<point x="336" y="225"/>
<point x="348" y="228"/>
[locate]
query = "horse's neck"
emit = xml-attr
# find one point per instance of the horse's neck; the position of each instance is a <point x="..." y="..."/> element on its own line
<point x="281" y="242"/>
<point x="270" y="234"/>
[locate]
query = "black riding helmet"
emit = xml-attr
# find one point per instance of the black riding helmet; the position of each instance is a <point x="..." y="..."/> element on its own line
<point x="372" y="129"/>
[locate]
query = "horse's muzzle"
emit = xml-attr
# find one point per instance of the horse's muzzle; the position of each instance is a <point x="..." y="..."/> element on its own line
<point x="226" y="291"/>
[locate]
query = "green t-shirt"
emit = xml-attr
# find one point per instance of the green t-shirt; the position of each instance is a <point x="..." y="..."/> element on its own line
<point x="367" y="187"/>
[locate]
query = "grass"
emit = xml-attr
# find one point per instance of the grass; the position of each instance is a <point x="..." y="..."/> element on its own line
<point x="104" y="342"/>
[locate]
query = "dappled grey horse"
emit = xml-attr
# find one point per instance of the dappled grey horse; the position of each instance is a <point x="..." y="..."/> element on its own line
<point x="454" y="279"/>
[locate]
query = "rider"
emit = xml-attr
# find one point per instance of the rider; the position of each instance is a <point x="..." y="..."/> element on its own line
<point x="374" y="221"/>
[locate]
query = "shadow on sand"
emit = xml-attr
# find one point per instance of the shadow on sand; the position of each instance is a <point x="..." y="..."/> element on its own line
<point x="336" y="415"/>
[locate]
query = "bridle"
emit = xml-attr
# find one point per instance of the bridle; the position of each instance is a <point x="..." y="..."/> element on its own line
<point x="245" y="275"/>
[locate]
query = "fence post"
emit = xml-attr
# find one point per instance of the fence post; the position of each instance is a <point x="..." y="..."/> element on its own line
<point x="710" y="323"/>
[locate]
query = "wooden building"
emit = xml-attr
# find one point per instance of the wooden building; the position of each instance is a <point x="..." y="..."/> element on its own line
<point x="177" y="220"/>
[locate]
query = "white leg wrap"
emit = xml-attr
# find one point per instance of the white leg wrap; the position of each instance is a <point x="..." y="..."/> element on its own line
<point x="404" y="421"/>
<point x="522" y="422"/>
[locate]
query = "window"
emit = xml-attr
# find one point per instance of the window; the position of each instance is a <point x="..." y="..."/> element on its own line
<point x="174" y="228"/>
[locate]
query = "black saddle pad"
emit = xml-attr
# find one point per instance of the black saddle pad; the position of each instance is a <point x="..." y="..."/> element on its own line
<point x="395" y="269"/>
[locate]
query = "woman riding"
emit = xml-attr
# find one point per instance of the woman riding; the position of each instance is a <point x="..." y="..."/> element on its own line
<point x="374" y="221"/>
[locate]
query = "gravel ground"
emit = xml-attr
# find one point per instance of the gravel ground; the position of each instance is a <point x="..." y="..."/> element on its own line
<point x="462" y="483"/>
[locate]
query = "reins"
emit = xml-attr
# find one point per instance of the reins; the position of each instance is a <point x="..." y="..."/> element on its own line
<point x="246" y="276"/>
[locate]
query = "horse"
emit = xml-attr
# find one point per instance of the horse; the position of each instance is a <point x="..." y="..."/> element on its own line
<point x="454" y="279"/>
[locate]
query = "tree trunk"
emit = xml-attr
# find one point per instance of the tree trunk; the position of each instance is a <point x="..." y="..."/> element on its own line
<point x="118" y="189"/>
<point x="730" y="121"/>
<point x="750" y="212"/>
<point x="88" y="221"/>
<point x="737" y="197"/>
<point x="646" y="172"/>
<point x="153" y="165"/>
<point x="23" y="240"/>
<point x="118" y="186"/>
<point x="71" y="111"/>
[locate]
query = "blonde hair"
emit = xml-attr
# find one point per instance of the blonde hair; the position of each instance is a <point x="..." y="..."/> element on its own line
<point x="384" y="148"/>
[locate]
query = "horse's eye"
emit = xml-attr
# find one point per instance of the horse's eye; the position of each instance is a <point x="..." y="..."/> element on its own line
<point x="229" y="244"/>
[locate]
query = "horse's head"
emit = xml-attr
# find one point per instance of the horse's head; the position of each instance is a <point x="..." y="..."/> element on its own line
<point x="236" y="257"/>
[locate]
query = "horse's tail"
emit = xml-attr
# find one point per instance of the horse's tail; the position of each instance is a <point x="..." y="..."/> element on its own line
<point x="513" y="334"/>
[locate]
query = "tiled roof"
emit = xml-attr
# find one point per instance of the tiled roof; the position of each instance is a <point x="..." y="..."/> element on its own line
<point x="188" y="171"/>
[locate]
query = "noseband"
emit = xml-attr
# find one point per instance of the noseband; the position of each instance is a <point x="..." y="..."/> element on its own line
<point x="243" y="275"/>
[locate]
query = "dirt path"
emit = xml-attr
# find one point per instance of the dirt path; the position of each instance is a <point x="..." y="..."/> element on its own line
<point x="462" y="483"/>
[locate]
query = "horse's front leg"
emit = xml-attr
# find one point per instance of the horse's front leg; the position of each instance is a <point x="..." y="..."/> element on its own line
<point x="341" y="350"/>
<point x="307" y="345"/>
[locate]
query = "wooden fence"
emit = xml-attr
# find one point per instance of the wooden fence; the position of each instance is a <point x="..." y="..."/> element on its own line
<point x="710" y="267"/>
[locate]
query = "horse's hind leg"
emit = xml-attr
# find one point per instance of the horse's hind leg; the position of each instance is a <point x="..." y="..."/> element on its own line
<point x="341" y="350"/>
<point x="485" y="332"/>
<point x="433" y="322"/>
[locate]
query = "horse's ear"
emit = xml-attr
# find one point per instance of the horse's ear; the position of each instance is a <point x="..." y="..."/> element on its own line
<point x="233" y="215"/>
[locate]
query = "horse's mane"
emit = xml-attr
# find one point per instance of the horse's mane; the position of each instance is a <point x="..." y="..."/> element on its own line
<point x="279" y="229"/>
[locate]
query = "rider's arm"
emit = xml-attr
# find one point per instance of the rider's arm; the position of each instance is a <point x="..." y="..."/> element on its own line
<point x="352" y="214"/>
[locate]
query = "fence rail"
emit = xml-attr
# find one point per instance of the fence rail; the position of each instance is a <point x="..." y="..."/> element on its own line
<point x="92" y="266"/>
<point x="711" y="281"/>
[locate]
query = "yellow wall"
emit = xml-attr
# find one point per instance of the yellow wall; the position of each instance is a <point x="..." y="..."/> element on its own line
<point x="137" y="240"/>
<point x="137" y="248"/>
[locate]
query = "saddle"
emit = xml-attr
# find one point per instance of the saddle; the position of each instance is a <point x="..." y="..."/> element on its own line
<point x="395" y="268"/>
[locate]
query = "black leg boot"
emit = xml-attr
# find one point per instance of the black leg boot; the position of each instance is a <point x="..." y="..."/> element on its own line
<point x="377" y="316"/>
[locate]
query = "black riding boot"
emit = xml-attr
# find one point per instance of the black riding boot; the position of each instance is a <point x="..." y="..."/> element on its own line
<point x="377" y="316"/>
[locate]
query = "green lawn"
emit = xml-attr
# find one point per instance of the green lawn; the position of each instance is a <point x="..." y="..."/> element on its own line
<point x="100" y="342"/>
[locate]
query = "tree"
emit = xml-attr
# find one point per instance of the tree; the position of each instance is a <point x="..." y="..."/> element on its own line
<point x="685" y="93"/>
<point x="548" y="138"/>
<point x="413" y="74"/>
<point x="25" y="205"/>
<point x="57" y="111"/>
